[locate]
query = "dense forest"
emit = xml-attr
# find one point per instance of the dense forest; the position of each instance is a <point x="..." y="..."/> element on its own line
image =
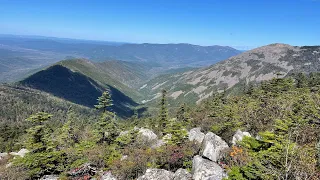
<point x="282" y="116"/>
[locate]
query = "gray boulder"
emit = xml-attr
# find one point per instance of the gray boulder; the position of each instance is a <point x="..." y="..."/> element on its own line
<point x="213" y="146"/>
<point x="204" y="169"/>
<point x="195" y="134"/>
<point x="238" y="136"/>
<point x="157" y="174"/>
<point x="147" y="136"/>
<point x="3" y="155"/>
<point x="107" y="176"/>
<point x="50" y="177"/>
<point x="21" y="153"/>
<point x="182" y="174"/>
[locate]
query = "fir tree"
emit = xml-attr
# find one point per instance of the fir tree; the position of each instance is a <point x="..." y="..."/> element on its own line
<point x="177" y="131"/>
<point x="163" y="114"/>
<point x="104" y="102"/>
<point x="107" y="127"/>
<point x="37" y="141"/>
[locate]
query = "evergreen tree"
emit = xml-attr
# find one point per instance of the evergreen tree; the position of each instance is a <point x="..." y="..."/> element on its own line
<point x="104" y="101"/>
<point x="177" y="131"/>
<point x="106" y="126"/>
<point x="163" y="114"/>
<point x="302" y="80"/>
<point x="36" y="140"/>
<point x="182" y="114"/>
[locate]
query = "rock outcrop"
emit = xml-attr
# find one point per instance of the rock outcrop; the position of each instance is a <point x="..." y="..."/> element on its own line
<point x="195" y="134"/>
<point x="204" y="169"/>
<point x="182" y="174"/>
<point x="238" y="136"/>
<point x="157" y="174"/>
<point x="213" y="146"/>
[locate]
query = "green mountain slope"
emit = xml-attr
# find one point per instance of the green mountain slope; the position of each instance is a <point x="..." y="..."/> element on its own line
<point x="81" y="82"/>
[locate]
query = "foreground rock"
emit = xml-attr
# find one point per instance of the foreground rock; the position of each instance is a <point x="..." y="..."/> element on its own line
<point x="50" y="177"/>
<point x="213" y="146"/>
<point x="204" y="169"/>
<point x="86" y="170"/>
<point x="182" y="174"/>
<point x="3" y="155"/>
<point x="147" y="136"/>
<point x="195" y="134"/>
<point x="238" y="136"/>
<point x="21" y="153"/>
<point x="107" y="176"/>
<point x="157" y="174"/>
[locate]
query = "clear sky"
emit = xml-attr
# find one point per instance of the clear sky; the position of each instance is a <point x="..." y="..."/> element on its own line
<point x="237" y="23"/>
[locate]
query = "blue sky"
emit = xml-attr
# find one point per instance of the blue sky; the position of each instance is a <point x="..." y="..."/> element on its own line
<point x="237" y="23"/>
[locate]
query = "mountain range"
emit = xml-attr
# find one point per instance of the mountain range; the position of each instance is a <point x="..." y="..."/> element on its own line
<point x="135" y="74"/>
<point x="19" y="55"/>
<point x="263" y="63"/>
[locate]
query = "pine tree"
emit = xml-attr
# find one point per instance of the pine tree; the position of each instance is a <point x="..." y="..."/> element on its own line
<point x="177" y="131"/>
<point x="302" y="80"/>
<point x="37" y="141"/>
<point x="104" y="101"/>
<point x="182" y="115"/>
<point x="163" y="114"/>
<point x="107" y="127"/>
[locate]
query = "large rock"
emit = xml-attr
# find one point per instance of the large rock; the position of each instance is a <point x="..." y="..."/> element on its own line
<point x="21" y="153"/>
<point x="195" y="134"/>
<point x="3" y="155"/>
<point x="213" y="146"/>
<point x="147" y="136"/>
<point x="50" y="177"/>
<point x="204" y="169"/>
<point x="238" y="136"/>
<point x="182" y="174"/>
<point x="164" y="140"/>
<point x="107" y="176"/>
<point x="157" y="174"/>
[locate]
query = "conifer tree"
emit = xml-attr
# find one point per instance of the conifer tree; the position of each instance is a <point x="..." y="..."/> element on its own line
<point x="163" y="114"/>
<point x="177" y="131"/>
<point x="182" y="115"/>
<point x="37" y="141"/>
<point x="302" y="80"/>
<point x="107" y="127"/>
<point x="104" y="101"/>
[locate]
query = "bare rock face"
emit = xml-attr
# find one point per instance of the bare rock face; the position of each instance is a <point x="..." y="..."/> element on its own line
<point x="213" y="146"/>
<point x="238" y="136"/>
<point x="107" y="176"/>
<point x="157" y="174"/>
<point x="182" y="174"/>
<point x="204" y="169"/>
<point x="195" y="134"/>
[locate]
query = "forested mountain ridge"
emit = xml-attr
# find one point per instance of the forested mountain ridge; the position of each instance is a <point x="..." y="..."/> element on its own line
<point x="263" y="63"/>
<point x="79" y="81"/>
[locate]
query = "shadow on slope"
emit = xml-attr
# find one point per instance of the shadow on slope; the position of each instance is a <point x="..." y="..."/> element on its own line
<point x="78" y="88"/>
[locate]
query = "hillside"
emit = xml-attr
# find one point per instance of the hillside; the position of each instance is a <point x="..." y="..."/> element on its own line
<point x="81" y="82"/>
<point x="252" y="66"/>
<point x="18" y="102"/>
